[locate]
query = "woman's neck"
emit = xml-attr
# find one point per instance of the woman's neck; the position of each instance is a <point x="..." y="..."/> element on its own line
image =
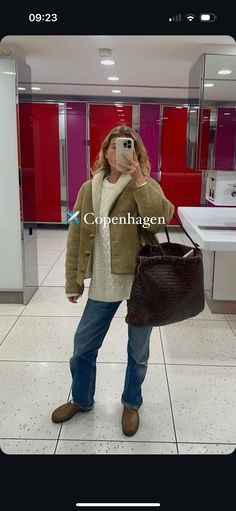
<point x="113" y="176"/>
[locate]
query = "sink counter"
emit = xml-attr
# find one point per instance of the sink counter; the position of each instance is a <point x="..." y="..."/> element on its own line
<point x="211" y="228"/>
<point x="214" y="230"/>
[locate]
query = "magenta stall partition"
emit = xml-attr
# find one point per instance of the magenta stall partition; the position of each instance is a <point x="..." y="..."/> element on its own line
<point x="225" y="139"/>
<point x="149" y="132"/>
<point x="76" y="149"/>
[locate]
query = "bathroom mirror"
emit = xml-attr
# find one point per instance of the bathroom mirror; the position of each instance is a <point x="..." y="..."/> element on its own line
<point x="212" y="130"/>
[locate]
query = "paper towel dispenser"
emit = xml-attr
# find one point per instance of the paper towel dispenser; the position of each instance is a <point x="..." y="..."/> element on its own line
<point x="221" y="187"/>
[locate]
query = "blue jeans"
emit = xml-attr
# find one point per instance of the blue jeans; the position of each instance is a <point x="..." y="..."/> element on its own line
<point x="88" y="338"/>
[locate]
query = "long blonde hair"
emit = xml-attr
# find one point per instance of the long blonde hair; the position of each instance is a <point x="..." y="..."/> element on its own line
<point x="122" y="131"/>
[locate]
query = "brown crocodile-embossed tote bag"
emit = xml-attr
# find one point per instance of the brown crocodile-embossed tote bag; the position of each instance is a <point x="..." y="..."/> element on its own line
<point x="167" y="287"/>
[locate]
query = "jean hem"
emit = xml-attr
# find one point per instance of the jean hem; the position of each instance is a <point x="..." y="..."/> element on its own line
<point x="128" y="405"/>
<point x="83" y="407"/>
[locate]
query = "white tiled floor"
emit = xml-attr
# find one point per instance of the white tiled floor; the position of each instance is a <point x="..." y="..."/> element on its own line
<point x="189" y="391"/>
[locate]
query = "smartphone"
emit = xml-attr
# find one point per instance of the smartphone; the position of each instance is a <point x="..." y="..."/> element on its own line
<point x="126" y="145"/>
<point x="188" y="254"/>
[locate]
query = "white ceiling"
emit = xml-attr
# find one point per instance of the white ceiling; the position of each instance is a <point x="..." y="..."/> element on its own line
<point x="148" y="66"/>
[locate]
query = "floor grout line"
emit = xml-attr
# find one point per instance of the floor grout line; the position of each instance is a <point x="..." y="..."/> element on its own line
<point x="121" y="440"/>
<point x="198" y="365"/>
<point x="58" y="439"/>
<point x="168" y="389"/>
<point x="51" y="269"/>
<point x="51" y="316"/>
<point x="120" y="363"/>
<point x="228" y="321"/>
<point x="17" y="318"/>
<point x="59" y="362"/>
<point x="118" y="317"/>
<point x="143" y="441"/>
<point x="59" y="433"/>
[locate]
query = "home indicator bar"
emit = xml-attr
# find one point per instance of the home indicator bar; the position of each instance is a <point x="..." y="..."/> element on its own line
<point x="118" y="504"/>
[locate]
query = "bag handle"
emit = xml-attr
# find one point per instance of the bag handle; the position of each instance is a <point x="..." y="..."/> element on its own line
<point x="180" y="224"/>
<point x="157" y="240"/>
<point x="167" y="235"/>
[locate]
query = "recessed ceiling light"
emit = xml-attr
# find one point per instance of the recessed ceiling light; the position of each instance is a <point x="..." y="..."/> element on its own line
<point x="21" y="88"/>
<point x="224" y="72"/>
<point x="208" y="84"/>
<point x="116" y="91"/>
<point x="35" y="88"/>
<point x="113" y="78"/>
<point x="61" y="104"/>
<point x="107" y="62"/>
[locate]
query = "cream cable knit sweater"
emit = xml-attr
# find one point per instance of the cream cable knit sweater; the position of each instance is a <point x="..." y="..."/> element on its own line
<point x="106" y="286"/>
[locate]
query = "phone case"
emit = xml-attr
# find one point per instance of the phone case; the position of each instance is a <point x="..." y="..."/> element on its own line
<point x="126" y="145"/>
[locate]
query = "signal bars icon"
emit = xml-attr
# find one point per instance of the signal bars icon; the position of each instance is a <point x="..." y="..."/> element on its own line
<point x="176" y="18"/>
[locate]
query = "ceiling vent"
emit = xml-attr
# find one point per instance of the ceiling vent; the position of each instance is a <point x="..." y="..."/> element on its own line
<point x="104" y="53"/>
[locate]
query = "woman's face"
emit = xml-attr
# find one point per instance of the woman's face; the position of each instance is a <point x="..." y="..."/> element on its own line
<point x="111" y="154"/>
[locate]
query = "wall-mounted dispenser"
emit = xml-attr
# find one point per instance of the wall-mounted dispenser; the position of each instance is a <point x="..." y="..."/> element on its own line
<point x="221" y="187"/>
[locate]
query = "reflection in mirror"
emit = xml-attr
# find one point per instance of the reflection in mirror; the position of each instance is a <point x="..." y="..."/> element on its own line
<point x="74" y="107"/>
<point x="212" y="135"/>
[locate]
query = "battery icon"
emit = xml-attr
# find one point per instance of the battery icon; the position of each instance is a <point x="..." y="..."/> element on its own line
<point x="208" y="17"/>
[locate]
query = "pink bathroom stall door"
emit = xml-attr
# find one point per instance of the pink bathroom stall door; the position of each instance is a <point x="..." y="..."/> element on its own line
<point x="40" y="162"/>
<point x="76" y="149"/>
<point x="26" y="161"/>
<point x="150" y="132"/>
<point x="102" y="119"/>
<point x="180" y="184"/>
<point x="225" y="139"/>
<point x="204" y="130"/>
<point x="174" y="139"/>
<point x="45" y="120"/>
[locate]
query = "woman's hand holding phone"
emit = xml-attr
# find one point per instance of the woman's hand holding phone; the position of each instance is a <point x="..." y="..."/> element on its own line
<point x="124" y="145"/>
<point x="132" y="168"/>
<point x="127" y="161"/>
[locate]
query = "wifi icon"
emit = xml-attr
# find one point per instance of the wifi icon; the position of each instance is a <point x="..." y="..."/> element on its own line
<point x="190" y="17"/>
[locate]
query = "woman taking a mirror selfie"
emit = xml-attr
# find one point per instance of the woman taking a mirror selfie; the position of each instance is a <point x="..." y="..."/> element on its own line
<point x="104" y="248"/>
